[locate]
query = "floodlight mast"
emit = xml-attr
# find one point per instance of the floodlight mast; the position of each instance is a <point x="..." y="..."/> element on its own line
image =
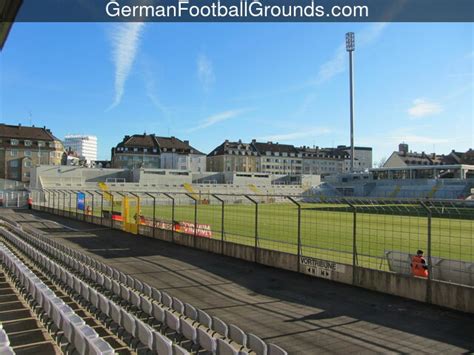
<point x="350" y="47"/>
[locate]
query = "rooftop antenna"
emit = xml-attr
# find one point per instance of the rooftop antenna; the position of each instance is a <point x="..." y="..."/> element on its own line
<point x="30" y="117"/>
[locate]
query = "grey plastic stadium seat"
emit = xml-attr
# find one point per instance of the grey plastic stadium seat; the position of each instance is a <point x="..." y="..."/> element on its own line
<point x="115" y="313"/>
<point x="71" y="322"/>
<point x="205" y="340"/>
<point x="4" y="341"/>
<point x="129" y="323"/>
<point x="147" y="290"/>
<point x="256" y="344"/>
<point x="158" y="313"/>
<point x="6" y="350"/>
<point x="172" y="321"/>
<point x="125" y="292"/>
<point x="146" y="306"/>
<point x="83" y="335"/>
<point x="135" y="299"/>
<point x="162" y="345"/>
<point x="115" y="287"/>
<point x="188" y="331"/>
<point x="237" y="335"/>
<point x="156" y="294"/>
<point x="190" y="311"/>
<point x="178" y="350"/>
<point x="122" y="278"/>
<point x="138" y="286"/>
<point x="166" y="299"/>
<point x="204" y="318"/>
<point x="178" y="306"/>
<point x="130" y="281"/>
<point x="276" y="350"/>
<point x="224" y="348"/>
<point x="100" y="347"/>
<point x="220" y="327"/>
<point x="145" y="334"/>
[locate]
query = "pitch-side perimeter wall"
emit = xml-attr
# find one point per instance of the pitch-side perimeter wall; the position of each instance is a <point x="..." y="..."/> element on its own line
<point x="454" y="296"/>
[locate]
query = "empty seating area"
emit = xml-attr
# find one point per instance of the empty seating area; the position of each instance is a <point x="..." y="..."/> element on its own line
<point x="131" y="315"/>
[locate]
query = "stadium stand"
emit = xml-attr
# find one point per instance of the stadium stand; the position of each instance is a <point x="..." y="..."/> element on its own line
<point x="139" y="315"/>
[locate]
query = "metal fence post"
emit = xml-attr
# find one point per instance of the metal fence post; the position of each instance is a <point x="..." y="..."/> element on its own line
<point x="70" y="202"/>
<point x="154" y="211"/>
<point x="137" y="220"/>
<point x="299" y="232"/>
<point x="111" y="209"/>
<point x="172" y="215"/>
<point x="222" y="221"/>
<point x="354" y="242"/>
<point x="256" y="226"/>
<point x="195" y="217"/>
<point x="428" y="246"/>
<point x="122" y="203"/>
<point x="101" y="207"/>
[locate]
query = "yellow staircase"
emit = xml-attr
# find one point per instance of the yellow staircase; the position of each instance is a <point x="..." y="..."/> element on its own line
<point x="189" y="188"/>
<point x="254" y="189"/>
<point x="103" y="187"/>
<point x="434" y="189"/>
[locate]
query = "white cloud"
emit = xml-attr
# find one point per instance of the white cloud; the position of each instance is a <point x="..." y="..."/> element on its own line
<point x="217" y="118"/>
<point x="205" y="71"/>
<point x="308" y="132"/>
<point x="125" y="39"/>
<point x="423" y="108"/>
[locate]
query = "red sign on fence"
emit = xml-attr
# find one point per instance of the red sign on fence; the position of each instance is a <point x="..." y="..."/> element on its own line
<point x="203" y="230"/>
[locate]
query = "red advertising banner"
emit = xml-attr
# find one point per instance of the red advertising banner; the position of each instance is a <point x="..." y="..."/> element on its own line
<point x="203" y="230"/>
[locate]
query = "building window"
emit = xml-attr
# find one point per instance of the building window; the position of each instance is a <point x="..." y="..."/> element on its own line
<point x="27" y="153"/>
<point x="27" y="163"/>
<point x="13" y="153"/>
<point x="135" y="149"/>
<point x="51" y="144"/>
<point x="14" y="141"/>
<point x="40" y="144"/>
<point x="27" y="175"/>
<point x="145" y="150"/>
<point x="28" y="143"/>
<point x="14" y="163"/>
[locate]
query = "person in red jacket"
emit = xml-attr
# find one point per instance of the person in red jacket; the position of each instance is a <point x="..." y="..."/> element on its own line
<point x="418" y="265"/>
<point x="29" y="201"/>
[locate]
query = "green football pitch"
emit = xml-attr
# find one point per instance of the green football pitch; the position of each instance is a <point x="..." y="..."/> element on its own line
<point x="327" y="231"/>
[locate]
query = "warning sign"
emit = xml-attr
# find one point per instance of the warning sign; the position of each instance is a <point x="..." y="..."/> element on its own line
<point x="320" y="268"/>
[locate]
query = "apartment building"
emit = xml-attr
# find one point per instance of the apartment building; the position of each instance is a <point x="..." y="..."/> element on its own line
<point x="233" y="156"/>
<point x="278" y="159"/>
<point x="22" y="147"/>
<point x="180" y="155"/>
<point x="323" y="161"/>
<point x="153" y="152"/>
<point x="83" y="145"/>
<point x="137" y="151"/>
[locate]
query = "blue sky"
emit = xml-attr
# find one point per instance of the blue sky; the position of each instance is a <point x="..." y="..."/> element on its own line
<point x="271" y="81"/>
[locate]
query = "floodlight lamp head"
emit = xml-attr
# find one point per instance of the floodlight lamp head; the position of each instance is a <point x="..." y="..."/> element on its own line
<point x="350" y="41"/>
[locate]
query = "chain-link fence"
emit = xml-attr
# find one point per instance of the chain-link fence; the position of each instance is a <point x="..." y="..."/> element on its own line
<point x="381" y="234"/>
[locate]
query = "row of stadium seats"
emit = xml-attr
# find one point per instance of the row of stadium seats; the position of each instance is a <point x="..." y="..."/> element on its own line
<point x="48" y="306"/>
<point x="191" y="327"/>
